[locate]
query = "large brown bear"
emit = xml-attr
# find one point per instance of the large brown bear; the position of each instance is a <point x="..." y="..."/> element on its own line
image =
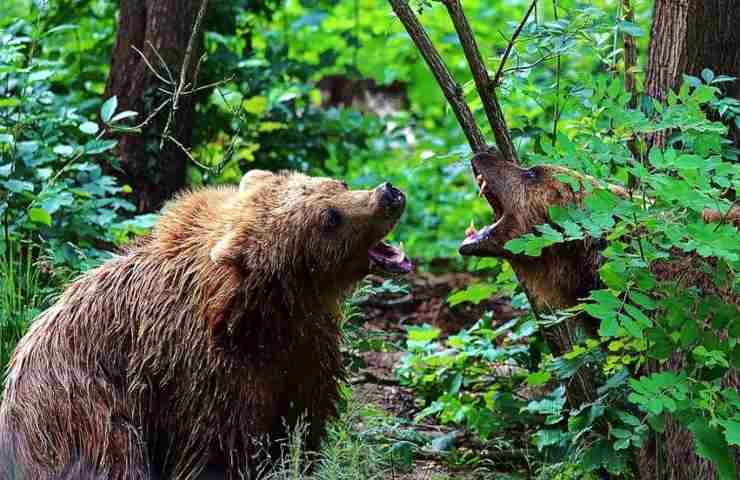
<point x="203" y="343"/>
<point x="566" y="273"/>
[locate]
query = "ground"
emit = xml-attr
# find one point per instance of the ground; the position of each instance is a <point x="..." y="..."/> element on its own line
<point x="374" y="384"/>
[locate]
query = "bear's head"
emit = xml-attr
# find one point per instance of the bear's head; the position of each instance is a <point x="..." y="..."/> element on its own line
<point x="520" y="199"/>
<point x="298" y="226"/>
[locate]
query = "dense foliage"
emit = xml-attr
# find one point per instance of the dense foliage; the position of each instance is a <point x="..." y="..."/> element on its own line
<point x="61" y="212"/>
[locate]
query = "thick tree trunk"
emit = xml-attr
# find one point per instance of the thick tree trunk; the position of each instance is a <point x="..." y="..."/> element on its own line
<point x="688" y="36"/>
<point x="165" y="26"/>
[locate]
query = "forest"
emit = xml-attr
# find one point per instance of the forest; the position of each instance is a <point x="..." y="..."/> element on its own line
<point x="558" y="297"/>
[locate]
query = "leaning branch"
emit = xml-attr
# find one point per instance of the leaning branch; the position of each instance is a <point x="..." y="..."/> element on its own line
<point x="486" y="88"/>
<point x="451" y="89"/>
<point x="510" y="46"/>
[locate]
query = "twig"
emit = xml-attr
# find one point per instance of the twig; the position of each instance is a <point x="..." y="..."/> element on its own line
<point x="556" y="117"/>
<point x="185" y="150"/>
<point x="451" y="89"/>
<point x="152" y="115"/>
<point x="486" y="88"/>
<point x="510" y="46"/>
<point x="529" y="65"/>
<point x="184" y="72"/>
<point x="151" y="68"/>
<point x="630" y="84"/>
<point x="161" y="60"/>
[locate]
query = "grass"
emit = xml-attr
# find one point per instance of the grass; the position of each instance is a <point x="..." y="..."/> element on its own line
<point x="351" y="450"/>
<point x="20" y="294"/>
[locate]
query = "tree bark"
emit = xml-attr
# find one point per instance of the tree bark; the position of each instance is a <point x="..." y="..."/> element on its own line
<point x="688" y="36"/>
<point x="156" y="28"/>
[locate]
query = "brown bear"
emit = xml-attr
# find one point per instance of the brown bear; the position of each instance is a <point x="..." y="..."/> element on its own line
<point x="204" y="343"/>
<point x="565" y="273"/>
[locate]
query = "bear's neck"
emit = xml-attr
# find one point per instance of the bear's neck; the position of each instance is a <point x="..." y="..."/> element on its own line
<point x="563" y="275"/>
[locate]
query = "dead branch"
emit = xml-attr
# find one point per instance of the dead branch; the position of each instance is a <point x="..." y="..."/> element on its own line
<point x="451" y="89"/>
<point x="182" y="84"/>
<point x="510" y="46"/>
<point x="486" y="88"/>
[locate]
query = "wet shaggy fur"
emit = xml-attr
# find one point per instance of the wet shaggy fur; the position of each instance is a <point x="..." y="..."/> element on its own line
<point x="567" y="272"/>
<point x="200" y="345"/>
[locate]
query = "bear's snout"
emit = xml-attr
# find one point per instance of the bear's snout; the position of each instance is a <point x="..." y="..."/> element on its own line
<point x="389" y="197"/>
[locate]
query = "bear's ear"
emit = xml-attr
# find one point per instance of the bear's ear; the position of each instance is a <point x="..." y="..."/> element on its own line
<point x="252" y="177"/>
<point x="227" y="249"/>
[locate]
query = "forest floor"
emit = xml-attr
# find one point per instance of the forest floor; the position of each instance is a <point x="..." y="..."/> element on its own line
<point x="376" y="386"/>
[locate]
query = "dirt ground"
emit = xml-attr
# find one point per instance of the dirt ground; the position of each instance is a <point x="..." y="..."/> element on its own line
<point x="386" y="315"/>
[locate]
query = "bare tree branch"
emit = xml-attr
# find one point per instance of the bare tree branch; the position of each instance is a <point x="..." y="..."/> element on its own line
<point x="486" y="89"/>
<point x="507" y="52"/>
<point x="451" y="89"/>
<point x="630" y="83"/>
<point x="182" y="84"/>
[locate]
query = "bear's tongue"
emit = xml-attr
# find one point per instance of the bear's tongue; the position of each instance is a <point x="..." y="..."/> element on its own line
<point x="389" y="258"/>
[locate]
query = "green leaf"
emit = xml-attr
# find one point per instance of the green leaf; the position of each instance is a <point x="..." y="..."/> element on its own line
<point x="40" y="75"/>
<point x="122" y="116"/>
<point x="64" y="150"/>
<point x="543" y="438"/>
<point x="255" y="105"/>
<point x="474" y="293"/>
<point x="94" y="146"/>
<point x="642" y="300"/>
<point x="622" y="444"/>
<point x="631" y="29"/>
<point x="710" y="444"/>
<point x="18" y="186"/>
<point x="707" y="75"/>
<point x="39" y="215"/>
<point x="91" y="128"/>
<point x="108" y="109"/>
<point x="455" y="383"/>
<point x="421" y="336"/>
<point x="536" y="379"/>
<point x="732" y="431"/>
<point x="638" y="316"/>
<point x="609" y="327"/>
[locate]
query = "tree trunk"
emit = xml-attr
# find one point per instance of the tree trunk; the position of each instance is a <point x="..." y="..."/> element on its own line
<point x="688" y="36"/>
<point x="154" y="173"/>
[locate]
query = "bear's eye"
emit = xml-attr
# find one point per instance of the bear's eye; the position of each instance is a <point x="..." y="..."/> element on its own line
<point x="332" y="219"/>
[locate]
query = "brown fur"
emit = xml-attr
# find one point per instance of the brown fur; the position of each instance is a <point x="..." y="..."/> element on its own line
<point x="199" y="345"/>
<point x="565" y="273"/>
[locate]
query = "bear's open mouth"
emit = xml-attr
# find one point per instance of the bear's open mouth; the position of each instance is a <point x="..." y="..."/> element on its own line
<point x="388" y="258"/>
<point x="475" y="238"/>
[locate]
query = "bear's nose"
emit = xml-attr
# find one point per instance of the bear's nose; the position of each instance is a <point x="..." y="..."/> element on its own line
<point x="390" y="196"/>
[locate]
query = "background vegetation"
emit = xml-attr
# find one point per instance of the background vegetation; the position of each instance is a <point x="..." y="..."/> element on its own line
<point x="62" y="210"/>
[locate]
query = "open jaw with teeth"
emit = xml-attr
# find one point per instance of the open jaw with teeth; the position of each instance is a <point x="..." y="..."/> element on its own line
<point x="473" y="237"/>
<point x="384" y="256"/>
